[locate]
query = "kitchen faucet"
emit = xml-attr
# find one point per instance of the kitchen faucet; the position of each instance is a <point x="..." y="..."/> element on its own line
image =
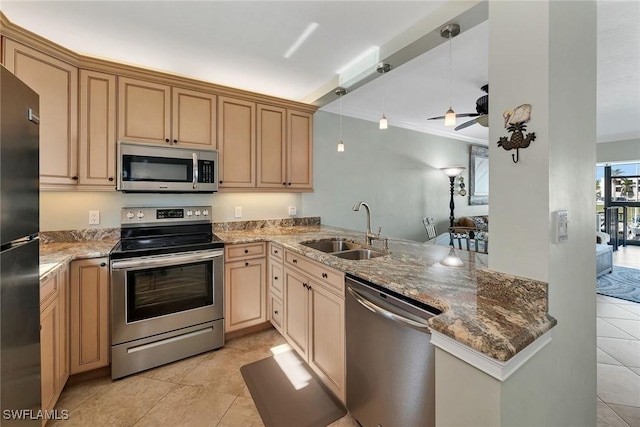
<point x="369" y="235"/>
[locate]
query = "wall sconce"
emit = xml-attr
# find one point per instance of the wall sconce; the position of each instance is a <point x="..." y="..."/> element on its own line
<point x="452" y="173"/>
<point x="461" y="188"/>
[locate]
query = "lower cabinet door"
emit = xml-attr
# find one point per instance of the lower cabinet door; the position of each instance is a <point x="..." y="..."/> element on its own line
<point x="296" y="323"/>
<point x="327" y="349"/>
<point x="245" y="294"/>
<point x="49" y="329"/>
<point x="90" y="342"/>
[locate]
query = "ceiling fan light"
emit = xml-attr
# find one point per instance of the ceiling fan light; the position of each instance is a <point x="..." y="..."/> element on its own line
<point x="483" y="121"/>
<point x="450" y="118"/>
<point x="340" y="146"/>
<point x="383" y="122"/>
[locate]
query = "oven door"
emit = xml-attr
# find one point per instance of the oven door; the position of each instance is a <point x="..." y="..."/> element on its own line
<point x="157" y="294"/>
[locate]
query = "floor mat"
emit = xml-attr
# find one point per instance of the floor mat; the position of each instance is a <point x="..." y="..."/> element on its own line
<point x="288" y="393"/>
<point x="623" y="282"/>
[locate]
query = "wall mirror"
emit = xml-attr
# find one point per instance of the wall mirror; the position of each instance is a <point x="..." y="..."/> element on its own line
<point x="479" y="175"/>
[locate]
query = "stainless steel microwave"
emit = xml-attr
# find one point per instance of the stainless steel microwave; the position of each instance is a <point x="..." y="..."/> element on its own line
<point x="149" y="168"/>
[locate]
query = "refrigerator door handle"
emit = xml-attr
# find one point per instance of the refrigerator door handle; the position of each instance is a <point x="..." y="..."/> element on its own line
<point x="33" y="116"/>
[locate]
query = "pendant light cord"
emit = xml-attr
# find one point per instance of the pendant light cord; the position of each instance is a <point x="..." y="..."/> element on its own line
<point x="383" y="93"/>
<point x="450" y="69"/>
<point x="341" y="117"/>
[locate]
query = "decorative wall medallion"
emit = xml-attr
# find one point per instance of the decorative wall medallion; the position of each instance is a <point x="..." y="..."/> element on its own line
<point x="515" y="122"/>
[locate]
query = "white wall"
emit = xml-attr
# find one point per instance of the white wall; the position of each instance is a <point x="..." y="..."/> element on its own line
<point x="619" y="151"/>
<point x="395" y="171"/>
<point x="70" y="210"/>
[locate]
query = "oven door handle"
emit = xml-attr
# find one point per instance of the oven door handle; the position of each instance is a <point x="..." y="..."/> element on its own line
<point x="163" y="261"/>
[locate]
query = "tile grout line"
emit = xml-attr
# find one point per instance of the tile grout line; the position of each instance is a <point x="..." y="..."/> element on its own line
<point x="157" y="403"/>
<point x="617" y="415"/>
<point x="617" y="327"/>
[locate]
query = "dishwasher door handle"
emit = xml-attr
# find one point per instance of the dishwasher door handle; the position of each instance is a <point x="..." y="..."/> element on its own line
<point x="370" y="305"/>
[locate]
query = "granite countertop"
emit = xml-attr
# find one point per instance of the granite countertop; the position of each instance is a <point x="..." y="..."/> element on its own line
<point x="55" y="255"/>
<point x="494" y="313"/>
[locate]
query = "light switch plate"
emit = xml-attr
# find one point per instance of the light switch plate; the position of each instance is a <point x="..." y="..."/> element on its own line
<point x="238" y="212"/>
<point x="561" y="226"/>
<point x="292" y="210"/>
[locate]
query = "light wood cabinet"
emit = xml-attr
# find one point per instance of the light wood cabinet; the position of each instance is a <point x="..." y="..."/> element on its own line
<point x="284" y="148"/>
<point x="162" y="114"/>
<point x="271" y="147"/>
<point x="236" y="143"/>
<point x="97" y="128"/>
<point x="314" y="322"/>
<point x="54" y="344"/>
<point x="89" y="314"/>
<point x="275" y="290"/>
<point x="299" y="150"/>
<point x="194" y="117"/>
<point x="49" y="357"/>
<point x="57" y="84"/>
<point x="245" y="286"/>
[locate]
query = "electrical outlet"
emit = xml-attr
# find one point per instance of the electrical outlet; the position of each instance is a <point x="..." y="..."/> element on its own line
<point x="94" y="217"/>
<point x="238" y="212"/>
<point x="292" y="210"/>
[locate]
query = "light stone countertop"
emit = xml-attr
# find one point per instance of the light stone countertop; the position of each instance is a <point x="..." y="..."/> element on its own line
<point x="493" y="313"/>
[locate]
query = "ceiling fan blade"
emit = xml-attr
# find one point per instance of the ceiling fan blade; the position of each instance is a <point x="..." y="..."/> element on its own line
<point x="467" y="124"/>
<point x="457" y="115"/>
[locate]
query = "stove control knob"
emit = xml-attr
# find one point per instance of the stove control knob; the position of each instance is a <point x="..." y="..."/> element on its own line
<point x="197" y="212"/>
<point x="130" y="215"/>
<point x="140" y="214"/>
<point x="189" y="212"/>
<point x="205" y="212"/>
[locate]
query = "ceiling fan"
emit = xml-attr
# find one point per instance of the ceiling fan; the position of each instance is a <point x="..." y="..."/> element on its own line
<point x="481" y="116"/>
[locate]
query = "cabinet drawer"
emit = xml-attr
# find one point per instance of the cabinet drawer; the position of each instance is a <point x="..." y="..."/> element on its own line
<point x="244" y="251"/>
<point x="275" y="251"/>
<point x="276" y="312"/>
<point x="332" y="279"/>
<point x="49" y="288"/>
<point x="276" y="278"/>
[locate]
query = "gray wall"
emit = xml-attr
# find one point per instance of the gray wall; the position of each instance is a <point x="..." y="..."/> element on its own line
<point x="395" y="171"/>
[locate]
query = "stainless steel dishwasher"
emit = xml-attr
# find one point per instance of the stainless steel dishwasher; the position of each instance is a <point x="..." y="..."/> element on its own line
<point x="390" y="358"/>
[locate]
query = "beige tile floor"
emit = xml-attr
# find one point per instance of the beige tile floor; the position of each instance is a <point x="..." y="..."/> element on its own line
<point x="208" y="390"/>
<point x="618" y="353"/>
<point x="204" y="390"/>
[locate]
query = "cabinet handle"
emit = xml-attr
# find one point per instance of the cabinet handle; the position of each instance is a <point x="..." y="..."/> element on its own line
<point x="111" y="178"/>
<point x="325" y="275"/>
<point x="166" y="140"/>
<point x="75" y="178"/>
<point x="288" y="183"/>
<point x="102" y="264"/>
<point x="284" y="183"/>
<point x="305" y="285"/>
<point x="246" y="264"/>
<point x="246" y="251"/>
<point x="275" y="312"/>
<point x="275" y="252"/>
<point x="275" y="278"/>
<point x="295" y="261"/>
<point x="175" y="141"/>
<point x="220" y="181"/>
<point x="308" y="287"/>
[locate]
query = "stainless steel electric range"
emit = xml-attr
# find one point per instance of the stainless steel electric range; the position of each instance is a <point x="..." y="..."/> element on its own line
<point x="167" y="288"/>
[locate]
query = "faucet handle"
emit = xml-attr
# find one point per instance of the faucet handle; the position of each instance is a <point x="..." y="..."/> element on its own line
<point x="379" y="231"/>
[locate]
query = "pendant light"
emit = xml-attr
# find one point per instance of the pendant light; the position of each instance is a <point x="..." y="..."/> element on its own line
<point x="341" y="92"/>
<point x="383" y="68"/>
<point x="449" y="32"/>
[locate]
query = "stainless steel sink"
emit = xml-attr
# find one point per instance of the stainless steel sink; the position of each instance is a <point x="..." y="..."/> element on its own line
<point x="358" y="254"/>
<point x="331" y="245"/>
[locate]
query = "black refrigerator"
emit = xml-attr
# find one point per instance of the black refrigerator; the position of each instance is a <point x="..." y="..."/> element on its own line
<point x="19" y="263"/>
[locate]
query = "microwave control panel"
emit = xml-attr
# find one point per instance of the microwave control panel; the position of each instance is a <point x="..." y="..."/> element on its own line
<point x="205" y="169"/>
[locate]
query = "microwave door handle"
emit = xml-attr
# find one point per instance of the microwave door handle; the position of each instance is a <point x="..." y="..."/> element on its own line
<point x="195" y="170"/>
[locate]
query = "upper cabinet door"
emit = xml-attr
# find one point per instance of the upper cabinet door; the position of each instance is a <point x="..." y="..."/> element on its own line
<point x="272" y="152"/>
<point x="97" y="128"/>
<point x="144" y="111"/>
<point x="57" y="84"/>
<point x="236" y="143"/>
<point x="193" y="118"/>
<point x="300" y="150"/>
